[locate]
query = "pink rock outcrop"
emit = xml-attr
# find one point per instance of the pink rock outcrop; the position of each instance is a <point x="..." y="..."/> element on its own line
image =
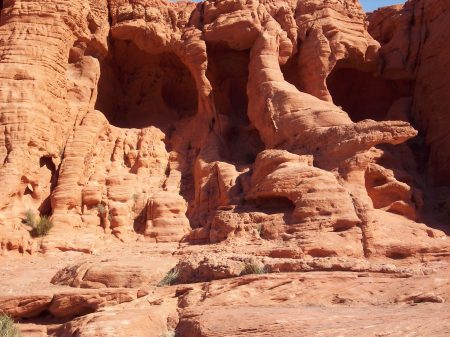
<point x="135" y="125"/>
<point x="413" y="48"/>
<point x="281" y="136"/>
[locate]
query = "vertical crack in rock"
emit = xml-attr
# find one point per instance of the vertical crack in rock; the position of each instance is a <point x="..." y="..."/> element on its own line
<point x="228" y="72"/>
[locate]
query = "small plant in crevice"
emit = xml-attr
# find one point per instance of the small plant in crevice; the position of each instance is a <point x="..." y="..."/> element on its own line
<point x="42" y="227"/>
<point x="7" y="327"/>
<point x="39" y="226"/>
<point x="170" y="278"/>
<point x="30" y="218"/>
<point x="252" y="267"/>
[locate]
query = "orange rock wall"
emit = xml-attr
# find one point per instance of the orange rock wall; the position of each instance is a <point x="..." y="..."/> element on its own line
<point x="205" y="122"/>
<point x="414" y="47"/>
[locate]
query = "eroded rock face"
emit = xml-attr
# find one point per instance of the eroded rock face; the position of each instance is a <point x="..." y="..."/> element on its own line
<point x="411" y="37"/>
<point x="207" y="122"/>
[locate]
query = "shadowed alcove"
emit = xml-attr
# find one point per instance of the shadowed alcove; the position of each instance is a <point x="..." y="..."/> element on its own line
<point x="138" y="89"/>
<point x="228" y="73"/>
<point x="362" y="95"/>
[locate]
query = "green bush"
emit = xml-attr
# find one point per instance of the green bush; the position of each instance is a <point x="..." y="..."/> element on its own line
<point x="170" y="278"/>
<point x="30" y="218"/>
<point x="7" y="327"/>
<point x="40" y="227"/>
<point x="43" y="226"/>
<point x="253" y="267"/>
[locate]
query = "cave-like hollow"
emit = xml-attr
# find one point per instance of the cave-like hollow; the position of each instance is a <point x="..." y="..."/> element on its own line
<point x="138" y="89"/>
<point x="362" y="95"/>
<point x="228" y="73"/>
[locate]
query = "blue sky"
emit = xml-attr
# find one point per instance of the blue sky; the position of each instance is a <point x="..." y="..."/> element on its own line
<point x="370" y="5"/>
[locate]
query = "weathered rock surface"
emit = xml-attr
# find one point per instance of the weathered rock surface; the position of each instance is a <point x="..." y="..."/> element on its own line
<point x="152" y="103"/>
<point x="320" y="295"/>
<point x="205" y="140"/>
<point x="413" y="48"/>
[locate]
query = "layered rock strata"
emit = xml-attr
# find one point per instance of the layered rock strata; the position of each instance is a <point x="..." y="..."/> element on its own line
<point x="204" y="122"/>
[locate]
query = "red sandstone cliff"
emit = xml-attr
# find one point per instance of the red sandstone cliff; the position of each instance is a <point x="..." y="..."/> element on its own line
<point x="288" y="127"/>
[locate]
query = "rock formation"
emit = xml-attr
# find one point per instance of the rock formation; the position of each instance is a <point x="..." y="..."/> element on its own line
<point x="149" y="117"/>
<point x="304" y="132"/>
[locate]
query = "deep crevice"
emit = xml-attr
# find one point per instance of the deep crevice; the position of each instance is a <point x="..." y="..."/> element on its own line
<point x="291" y="73"/>
<point x="396" y="255"/>
<point x="45" y="207"/>
<point x="273" y="205"/>
<point x="1" y="12"/>
<point x="46" y="318"/>
<point x="228" y="73"/>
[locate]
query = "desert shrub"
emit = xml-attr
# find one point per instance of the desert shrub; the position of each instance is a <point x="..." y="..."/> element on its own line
<point x="7" y="327"/>
<point x="30" y="218"/>
<point x="42" y="227"/>
<point x="253" y="267"/>
<point x="39" y="226"/>
<point x="170" y="278"/>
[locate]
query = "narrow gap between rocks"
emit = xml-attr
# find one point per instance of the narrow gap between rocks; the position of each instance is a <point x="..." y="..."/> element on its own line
<point x="228" y="73"/>
<point x="46" y="208"/>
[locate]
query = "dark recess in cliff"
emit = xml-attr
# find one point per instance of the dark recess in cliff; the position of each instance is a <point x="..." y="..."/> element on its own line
<point x="46" y="208"/>
<point x="362" y="95"/>
<point x="228" y="73"/>
<point x="138" y="90"/>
